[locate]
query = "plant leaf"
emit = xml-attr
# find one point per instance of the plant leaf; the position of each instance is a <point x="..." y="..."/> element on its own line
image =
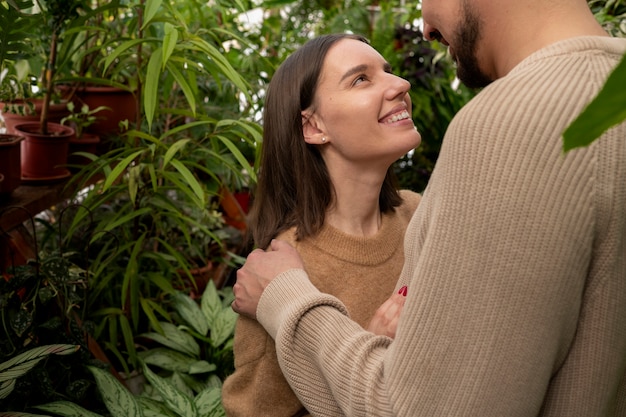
<point x="191" y="313"/>
<point x="175" y="399"/>
<point x="607" y="109"/>
<point x="176" y="339"/>
<point x="209" y="402"/>
<point x="224" y="326"/>
<point x="118" y="400"/>
<point x="174" y="361"/>
<point x="66" y="409"/>
<point x="173" y="149"/>
<point x="210" y="304"/>
<point x="151" y="91"/>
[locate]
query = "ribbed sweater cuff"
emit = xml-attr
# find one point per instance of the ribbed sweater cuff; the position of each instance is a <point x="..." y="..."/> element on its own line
<point x="286" y="299"/>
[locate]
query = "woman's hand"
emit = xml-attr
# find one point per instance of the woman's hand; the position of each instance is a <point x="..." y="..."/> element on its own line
<point x="385" y="320"/>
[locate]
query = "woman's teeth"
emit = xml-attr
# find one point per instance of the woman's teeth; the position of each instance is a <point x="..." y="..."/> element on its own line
<point x="399" y="116"/>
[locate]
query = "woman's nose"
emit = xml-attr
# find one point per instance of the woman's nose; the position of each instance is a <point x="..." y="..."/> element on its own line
<point x="399" y="86"/>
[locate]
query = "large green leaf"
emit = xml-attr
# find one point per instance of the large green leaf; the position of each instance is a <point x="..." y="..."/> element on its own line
<point x="607" y="109"/>
<point x="209" y="402"/>
<point x="66" y="409"/>
<point x="19" y="365"/>
<point x="175" y="361"/>
<point x="191" y="313"/>
<point x="174" y="398"/>
<point x="119" y="401"/>
<point x="176" y="339"/>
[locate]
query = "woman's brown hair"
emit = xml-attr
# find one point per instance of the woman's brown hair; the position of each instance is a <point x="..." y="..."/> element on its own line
<point x="294" y="188"/>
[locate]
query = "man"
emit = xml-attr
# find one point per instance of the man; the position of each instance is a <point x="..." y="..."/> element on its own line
<point x="515" y="260"/>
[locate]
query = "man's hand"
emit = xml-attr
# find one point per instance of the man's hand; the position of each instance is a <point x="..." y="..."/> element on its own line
<point x="385" y="320"/>
<point x="259" y="270"/>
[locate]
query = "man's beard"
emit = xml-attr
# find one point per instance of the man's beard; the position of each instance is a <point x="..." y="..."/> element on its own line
<point x="465" y="47"/>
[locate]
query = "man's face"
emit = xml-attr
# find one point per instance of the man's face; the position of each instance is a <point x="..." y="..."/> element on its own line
<point x="462" y="35"/>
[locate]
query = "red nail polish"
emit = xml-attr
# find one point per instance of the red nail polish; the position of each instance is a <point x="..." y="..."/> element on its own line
<point x="403" y="290"/>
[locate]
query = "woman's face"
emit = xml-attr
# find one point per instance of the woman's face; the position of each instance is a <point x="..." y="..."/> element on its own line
<point x="363" y="110"/>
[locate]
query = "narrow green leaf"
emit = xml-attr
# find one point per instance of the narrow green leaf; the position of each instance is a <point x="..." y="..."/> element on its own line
<point x="24" y="362"/>
<point x="169" y="41"/>
<point x="190" y="312"/>
<point x="236" y="153"/>
<point x="118" y="51"/>
<point x="128" y="334"/>
<point x="607" y="109"/>
<point x="66" y="409"/>
<point x="127" y="218"/>
<point x="173" y="150"/>
<point x="119" y="168"/>
<point x="151" y="9"/>
<point x="184" y="85"/>
<point x="151" y="90"/>
<point x="175" y="399"/>
<point x="117" y="399"/>
<point x="134" y="180"/>
<point x="190" y="178"/>
<point x="148" y="310"/>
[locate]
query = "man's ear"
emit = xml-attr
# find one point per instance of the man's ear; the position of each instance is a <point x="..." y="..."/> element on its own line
<point x="311" y="130"/>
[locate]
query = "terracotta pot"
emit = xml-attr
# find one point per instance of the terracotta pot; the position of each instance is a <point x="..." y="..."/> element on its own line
<point x="56" y="112"/>
<point x="122" y="105"/>
<point x="44" y="157"/>
<point x="10" y="169"/>
<point x="87" y="143"/>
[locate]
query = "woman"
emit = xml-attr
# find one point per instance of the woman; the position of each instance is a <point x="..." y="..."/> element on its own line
<point x="335" y="120"/>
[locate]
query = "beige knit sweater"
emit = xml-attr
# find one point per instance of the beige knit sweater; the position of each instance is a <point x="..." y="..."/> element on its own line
<point x="362" y="272"/>
<point x="515" y="263"/>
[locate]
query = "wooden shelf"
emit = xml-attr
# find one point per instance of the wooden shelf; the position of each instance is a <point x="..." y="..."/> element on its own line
<point x="17" y="244"/>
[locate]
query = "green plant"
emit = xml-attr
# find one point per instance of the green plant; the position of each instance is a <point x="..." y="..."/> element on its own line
<point x="160" y="193"/>
<point x="16" y="28"/>
<point x="19" y="365"/>
<point x="80" y="120"/>
<point x="607" y="108"/>
<point x="190" y="361"/>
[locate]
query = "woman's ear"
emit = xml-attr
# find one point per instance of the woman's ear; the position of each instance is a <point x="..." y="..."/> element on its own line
<point x="313" y="134"/>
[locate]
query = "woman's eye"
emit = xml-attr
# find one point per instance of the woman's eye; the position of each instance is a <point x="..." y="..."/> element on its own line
<point x="359" y="79"/>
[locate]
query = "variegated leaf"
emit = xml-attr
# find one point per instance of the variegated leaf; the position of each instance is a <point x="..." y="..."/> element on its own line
<point x="210" y="304"/>
<point x="208" y="401"/>
<point x="176" y="400"/>
<point x="176" y="339"/>
<point x="168" y="359"/>
<point x="119" y="401"/>
<point x="66" y="409"/>
<point x="154" y="408"/>
<point x="6" y="387"/>
<point x="224" y="326"/>
<point x="191" y="313"/>
<point x="37" y="353"/>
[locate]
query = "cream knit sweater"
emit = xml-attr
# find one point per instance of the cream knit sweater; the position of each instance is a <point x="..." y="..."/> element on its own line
<point x="362" y="272"/>
<point x="515" y="263"/>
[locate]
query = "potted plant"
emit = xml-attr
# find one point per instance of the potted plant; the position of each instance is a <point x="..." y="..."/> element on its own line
<point x="83" y="142"/>
<point x="45" y="147"/>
